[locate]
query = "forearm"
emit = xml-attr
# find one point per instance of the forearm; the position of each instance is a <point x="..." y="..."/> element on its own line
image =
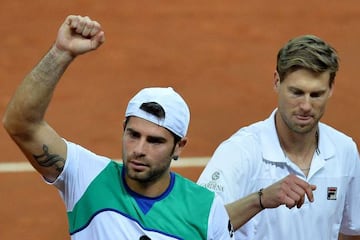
<point x="24" y="116"/>
<point x="344" y="237"/>
<point x="30" y="101"/>
<point x="243" y="210"/>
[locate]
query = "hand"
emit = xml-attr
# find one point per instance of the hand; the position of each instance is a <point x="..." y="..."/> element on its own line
<point x="78" y="35"/>
<point x="289" y="191"/>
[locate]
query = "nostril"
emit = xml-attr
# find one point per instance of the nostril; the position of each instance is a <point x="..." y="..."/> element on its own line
<point x="137" y="155"/>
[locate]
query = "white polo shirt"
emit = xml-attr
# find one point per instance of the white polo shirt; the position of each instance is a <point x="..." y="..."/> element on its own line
<point x="252" y="159"/>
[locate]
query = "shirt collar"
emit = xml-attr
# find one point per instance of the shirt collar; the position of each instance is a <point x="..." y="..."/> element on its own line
<point x="271" y="147"/>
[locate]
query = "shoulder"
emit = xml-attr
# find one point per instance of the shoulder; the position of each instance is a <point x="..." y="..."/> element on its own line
<point x="252" y="133"/>
<point x="335" y="136"/>
<point x="337" y="145"/>
<point x="189" y="187"/>
<point x="83" y="162"/>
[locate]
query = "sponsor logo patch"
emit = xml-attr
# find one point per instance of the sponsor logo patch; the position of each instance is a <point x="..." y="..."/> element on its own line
<point x="214" y="185"/>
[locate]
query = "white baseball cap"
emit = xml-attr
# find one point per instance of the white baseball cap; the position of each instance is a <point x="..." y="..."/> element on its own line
<point x="177" y="113"/>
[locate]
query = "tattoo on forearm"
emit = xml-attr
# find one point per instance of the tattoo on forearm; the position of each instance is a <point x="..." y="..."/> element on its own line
<point x="49" y="160"/>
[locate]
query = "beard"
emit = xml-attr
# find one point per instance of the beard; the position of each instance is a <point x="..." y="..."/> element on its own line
<point x="149" y="173"/>
<point x="300" y="128"/>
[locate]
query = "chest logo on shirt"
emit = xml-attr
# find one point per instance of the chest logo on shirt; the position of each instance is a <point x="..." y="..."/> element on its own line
<point x="215" y="176"/>
<point x="214" y="184"/>
<point x="331" y="193"/>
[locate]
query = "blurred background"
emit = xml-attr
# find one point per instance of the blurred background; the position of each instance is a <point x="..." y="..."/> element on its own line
<point x="219" y="55"/>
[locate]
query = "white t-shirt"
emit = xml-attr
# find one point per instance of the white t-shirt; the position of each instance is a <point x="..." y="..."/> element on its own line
<point x="100" y="205"/>
<point x="252" y="159"/>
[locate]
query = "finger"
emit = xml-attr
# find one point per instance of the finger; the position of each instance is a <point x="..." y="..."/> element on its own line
<point x="98" y="40"/>
<point x="70" y="19"/>
<point x="91" y="28"/>
<point x="83" y="22"/>
<point x="302" y="187"/>
<point x="305" y="188"/>
<point x="309" y="192"/>
<point x="79" y="23"/>
<point x="88" y="27"/>
<point x="293" y="191"/>
<point x="289" y="202"/>
<point x="300" y="202"/>
<point x="96" y="28"/>
<point x="73" y="21"/>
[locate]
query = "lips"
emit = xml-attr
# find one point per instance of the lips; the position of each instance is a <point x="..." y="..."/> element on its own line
<point x="304" y="119"/>
<point x="137" y="166"/>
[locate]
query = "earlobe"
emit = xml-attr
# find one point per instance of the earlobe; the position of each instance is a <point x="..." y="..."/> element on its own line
<point x="331" y="91"/>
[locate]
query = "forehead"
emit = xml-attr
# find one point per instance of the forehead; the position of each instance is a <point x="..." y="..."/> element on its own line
<point x="304" y="78"/>
<point x="145" y="127"/>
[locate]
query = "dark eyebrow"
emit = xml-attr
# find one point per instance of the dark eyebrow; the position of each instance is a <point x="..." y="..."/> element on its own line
<point x="151" y="139"/>
<point x="128" y="129"/>
<point x="155" y="139"/>
<point x="295" y="89"/>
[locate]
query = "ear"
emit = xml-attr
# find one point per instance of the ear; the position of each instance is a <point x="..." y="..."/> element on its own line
<point x="331" y="91"/>
<point x="179" y="147"/>
<point x="124" y="124"/>
<point x="276" y="81"/>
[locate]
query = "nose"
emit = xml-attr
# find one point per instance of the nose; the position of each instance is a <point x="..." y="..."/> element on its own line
<point x="139" y="148"/>
<point x="305" y="103"/>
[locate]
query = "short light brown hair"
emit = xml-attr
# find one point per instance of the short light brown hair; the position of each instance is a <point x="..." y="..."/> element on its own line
<point x="307" y="52"/>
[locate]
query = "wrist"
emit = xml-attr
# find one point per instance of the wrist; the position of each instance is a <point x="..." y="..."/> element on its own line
<point x="260" y="196"/>
<point x="61" y="54"/>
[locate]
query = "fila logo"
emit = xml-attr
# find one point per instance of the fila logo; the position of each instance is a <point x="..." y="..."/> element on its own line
<point x="331" y="193"/>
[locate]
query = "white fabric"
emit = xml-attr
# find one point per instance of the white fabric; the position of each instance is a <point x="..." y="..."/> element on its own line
<point x="252" y="159"/>
<point x="79" y="173"/>
<point x="81" y="168"/>
<point x="218" y="225"/>
<point x="177" y="113"/>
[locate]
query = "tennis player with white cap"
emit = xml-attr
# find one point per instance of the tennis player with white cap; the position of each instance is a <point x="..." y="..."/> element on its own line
<point x="137" y="199"/>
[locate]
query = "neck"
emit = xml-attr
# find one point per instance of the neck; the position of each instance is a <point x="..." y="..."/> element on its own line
<point x="295" y="142"/>
<point x="300" y="154"/>
<point x="152" y="188"/>
<point x="298" y="147"/>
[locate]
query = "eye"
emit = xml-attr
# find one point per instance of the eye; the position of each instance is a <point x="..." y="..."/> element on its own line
<point x="156" y="140"/>
<point x="296" y="92"/>
<point x="316" y="94"/>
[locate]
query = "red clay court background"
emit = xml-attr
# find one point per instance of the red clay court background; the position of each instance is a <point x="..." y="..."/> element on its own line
<point x="220" y="55"/>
